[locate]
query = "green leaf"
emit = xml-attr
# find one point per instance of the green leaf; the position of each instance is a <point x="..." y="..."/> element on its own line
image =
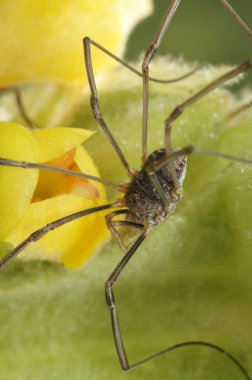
<point x="190" y="280"/>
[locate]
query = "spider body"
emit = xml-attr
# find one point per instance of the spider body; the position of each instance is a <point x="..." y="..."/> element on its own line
<point x="142" y="197"/>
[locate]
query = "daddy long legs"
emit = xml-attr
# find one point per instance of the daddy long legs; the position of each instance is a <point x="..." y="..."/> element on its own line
<point x="153" y="192"/>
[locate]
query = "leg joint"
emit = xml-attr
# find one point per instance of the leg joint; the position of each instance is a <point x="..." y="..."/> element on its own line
<point x="148" y="56"/>
<point x="109" y="294"/>
<point x="86" y="40"/>
<point x="95" y="106"/>
<point x="175" y="114"/>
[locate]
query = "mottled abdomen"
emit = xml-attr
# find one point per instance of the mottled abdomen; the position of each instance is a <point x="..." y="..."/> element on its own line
<point x="142" y="198"/>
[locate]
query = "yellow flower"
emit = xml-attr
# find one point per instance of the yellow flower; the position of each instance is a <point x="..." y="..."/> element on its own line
<point x="43" y="38"/>
<point x="44" y="42"/>
<point x="29" y="199"/>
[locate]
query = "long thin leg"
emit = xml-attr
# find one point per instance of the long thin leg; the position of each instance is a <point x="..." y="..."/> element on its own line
<point x="237" y="17"/>
<point x="116" y="326"/>
<point x="96" y="107"/>
<point x="145" y="70"/>
<point x="32" y="165"/>
<point x="150" y="54"/>
<point x="20" y="105"/>
<point x="178" y="110"/>
<point x="94" y="94"/>
<point x="206" y="90"/>
<point x="112" y="305"/>
<point x="37" y="235"/>
<point x="137" y="72"/>
<point x="194" y="149"/>
<point x="112" y="224"/>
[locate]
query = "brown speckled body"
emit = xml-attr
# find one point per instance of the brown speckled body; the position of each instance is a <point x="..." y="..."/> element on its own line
<point x="143" y="199"/>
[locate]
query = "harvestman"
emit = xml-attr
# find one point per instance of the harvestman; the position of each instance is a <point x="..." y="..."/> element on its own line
<point x="153" y="192"/>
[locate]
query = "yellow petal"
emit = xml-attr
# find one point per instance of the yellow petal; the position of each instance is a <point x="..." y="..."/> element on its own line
<point x="43" y="38"/>
<point x="72" y="243"/>
<point x="86" y="165"/>
<point x="94" y="234"/>
<point x="53" y="142"/>
<point x="16" y="185"/>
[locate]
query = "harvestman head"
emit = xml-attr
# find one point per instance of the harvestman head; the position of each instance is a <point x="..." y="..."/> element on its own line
<point x="153" y="192"/>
